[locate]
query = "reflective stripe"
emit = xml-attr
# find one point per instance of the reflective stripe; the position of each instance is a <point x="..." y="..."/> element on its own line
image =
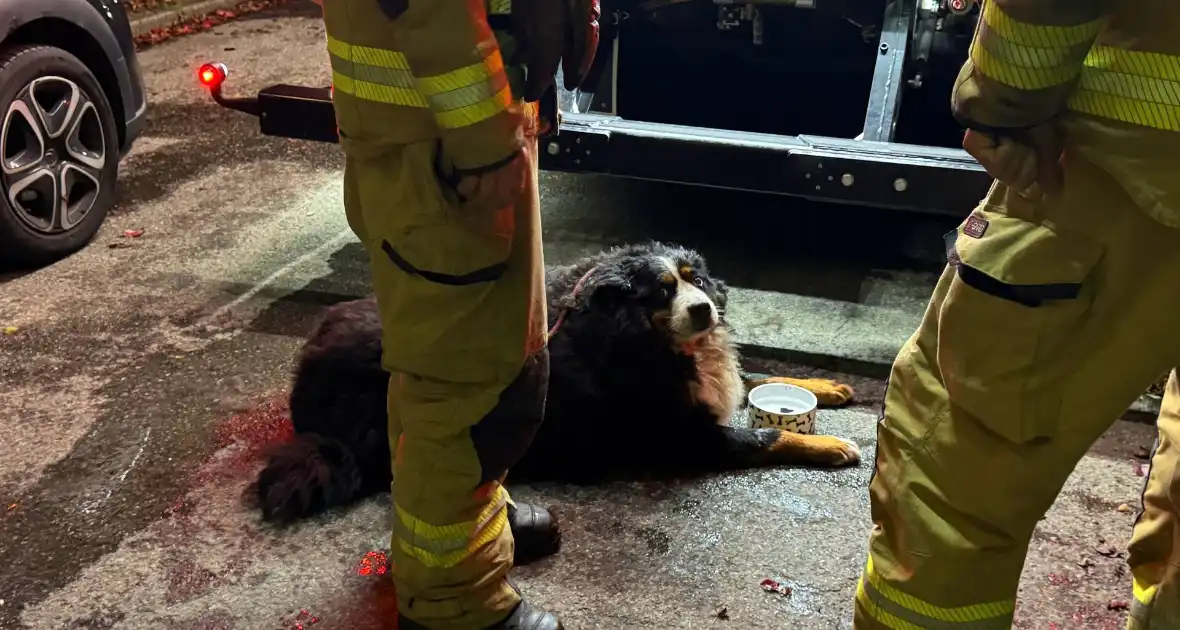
<point x="1137" y="87"/>
<point x="1141" y="607"/>
<point x="378" y="93"/>
<point x="459" y="98"/>
<point x="1028" y="56"/>
<point x="444" y="546"/>
<point x="367" y="55"/>
<point x="469" y="95"/>
<point x="500" y="7"/>
<point x="373" y="74"/>
<point x="901" y="611"/>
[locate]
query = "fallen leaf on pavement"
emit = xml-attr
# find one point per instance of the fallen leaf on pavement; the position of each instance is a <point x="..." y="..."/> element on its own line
<point x="197" y="23"/>
<point x="1109" y="551"/>
<point x="137" y="6"/>
<point x="1124" y="508"/>
<point x="10" y="330"/>
<point x="773" y="586"/>
<point x="136" y="233"/>
<point x="722" y="612"/>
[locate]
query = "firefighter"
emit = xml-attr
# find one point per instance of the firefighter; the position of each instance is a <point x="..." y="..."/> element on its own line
<point x="1057" y="309"/>
<point x="438" y="125"/>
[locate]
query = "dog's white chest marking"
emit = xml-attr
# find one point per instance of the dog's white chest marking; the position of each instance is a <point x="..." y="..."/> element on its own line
<point x="718" y="385"/>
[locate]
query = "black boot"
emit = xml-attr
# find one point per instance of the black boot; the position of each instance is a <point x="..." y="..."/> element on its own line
<point x="535" y="531"/>
<point x="524" y="617"/>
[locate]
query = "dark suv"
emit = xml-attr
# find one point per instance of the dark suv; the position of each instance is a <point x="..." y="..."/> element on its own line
<point x="71" y="103"/>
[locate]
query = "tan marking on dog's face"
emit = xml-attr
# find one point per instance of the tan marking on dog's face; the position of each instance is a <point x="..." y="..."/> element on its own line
<point x="687" y="299"/>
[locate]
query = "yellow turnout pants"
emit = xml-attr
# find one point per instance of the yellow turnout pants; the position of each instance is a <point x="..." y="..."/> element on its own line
<point x="1050" y="319"/>
<point x="461" y="296"/>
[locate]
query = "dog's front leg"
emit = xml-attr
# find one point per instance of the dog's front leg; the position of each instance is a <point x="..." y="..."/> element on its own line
<point x="733" y="448"/>
<point x="827" y="391"/>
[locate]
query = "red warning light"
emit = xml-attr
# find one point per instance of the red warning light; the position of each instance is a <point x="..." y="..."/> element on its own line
<point x="212" y="75"/>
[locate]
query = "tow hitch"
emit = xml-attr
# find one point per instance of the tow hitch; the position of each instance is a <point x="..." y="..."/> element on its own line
<point x="284" y="111"/>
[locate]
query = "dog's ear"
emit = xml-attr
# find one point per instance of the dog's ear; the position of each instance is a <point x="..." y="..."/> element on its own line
<point x="608" y="289"/>
<point x="608" y="292"/>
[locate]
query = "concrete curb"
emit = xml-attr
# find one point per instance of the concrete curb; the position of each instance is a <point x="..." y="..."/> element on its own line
<point x="162" y="19"/>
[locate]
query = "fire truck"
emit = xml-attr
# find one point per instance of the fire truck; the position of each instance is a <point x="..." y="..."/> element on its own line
<point x="843" y="101"/>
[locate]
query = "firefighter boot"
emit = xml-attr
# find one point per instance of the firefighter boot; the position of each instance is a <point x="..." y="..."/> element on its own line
<point x="535" y="531"/>
<point x="523" y="617"/>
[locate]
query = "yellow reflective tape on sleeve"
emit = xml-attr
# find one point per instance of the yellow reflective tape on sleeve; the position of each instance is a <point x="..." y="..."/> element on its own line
<point x="1038" y="35"/>
<point x="1028" y="56"/>
<point x="1020" y="77"/>
<point x="902" y="611"/>
<point x="1137" y="62"/>
<point x="470" y="94"/>
<point x="500" y="7"/>
<point x="1136" y="87"/>
<point x="472" y="114"/>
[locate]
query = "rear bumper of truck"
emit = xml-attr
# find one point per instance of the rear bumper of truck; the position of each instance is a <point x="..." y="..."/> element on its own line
<point x="863" y="172"/>
<point x="878" y="174"/>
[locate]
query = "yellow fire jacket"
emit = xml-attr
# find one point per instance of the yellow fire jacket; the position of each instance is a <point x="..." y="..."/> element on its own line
<point x="414" y="70"/>
<point x="1108" y="69"/>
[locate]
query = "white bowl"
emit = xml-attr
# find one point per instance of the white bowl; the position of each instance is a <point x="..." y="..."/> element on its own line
<point x="782" y="406"/>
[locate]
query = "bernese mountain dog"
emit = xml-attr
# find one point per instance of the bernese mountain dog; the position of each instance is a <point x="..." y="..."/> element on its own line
<point x="644" y="382"/>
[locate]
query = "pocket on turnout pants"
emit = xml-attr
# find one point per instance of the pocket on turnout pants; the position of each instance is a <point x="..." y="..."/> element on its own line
<point x="437" y="271"/>
<point x="1018" y="296"/>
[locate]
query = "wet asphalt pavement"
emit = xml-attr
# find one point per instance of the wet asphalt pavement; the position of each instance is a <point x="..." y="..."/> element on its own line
<point x="145" y="374"/>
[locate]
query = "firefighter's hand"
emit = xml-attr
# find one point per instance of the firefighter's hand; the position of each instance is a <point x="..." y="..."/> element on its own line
<point x="1029" y="163"/>
<point x="496" y="187"/>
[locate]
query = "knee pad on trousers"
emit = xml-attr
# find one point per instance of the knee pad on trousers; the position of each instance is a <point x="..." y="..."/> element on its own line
<point x="505" y="433"/>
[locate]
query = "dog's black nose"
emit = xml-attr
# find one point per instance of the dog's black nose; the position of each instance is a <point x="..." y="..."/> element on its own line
<point x="701" y="315"/>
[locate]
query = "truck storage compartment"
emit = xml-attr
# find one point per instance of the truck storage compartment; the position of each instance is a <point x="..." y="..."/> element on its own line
<point x="834" y="68"/>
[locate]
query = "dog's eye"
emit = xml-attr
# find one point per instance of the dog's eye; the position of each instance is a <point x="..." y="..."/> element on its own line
<point x="699" y="282"/>
<point x="664" y="292"/>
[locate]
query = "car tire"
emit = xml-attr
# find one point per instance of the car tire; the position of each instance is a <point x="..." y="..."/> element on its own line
<point x="57" y="132"/>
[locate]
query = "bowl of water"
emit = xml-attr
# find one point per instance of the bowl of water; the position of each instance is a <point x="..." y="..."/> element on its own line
<point x="782" y="406"/>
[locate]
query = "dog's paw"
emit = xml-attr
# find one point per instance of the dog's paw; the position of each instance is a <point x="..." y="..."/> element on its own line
<point x="836" y="451"/>
<point x="827" y="391"/>
<point x="822" y="450"/>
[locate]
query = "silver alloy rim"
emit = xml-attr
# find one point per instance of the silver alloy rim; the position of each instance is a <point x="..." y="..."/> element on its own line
<point x="52" y="153"/>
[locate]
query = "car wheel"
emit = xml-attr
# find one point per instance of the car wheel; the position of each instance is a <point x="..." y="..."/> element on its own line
<point x="59" y="156"/>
